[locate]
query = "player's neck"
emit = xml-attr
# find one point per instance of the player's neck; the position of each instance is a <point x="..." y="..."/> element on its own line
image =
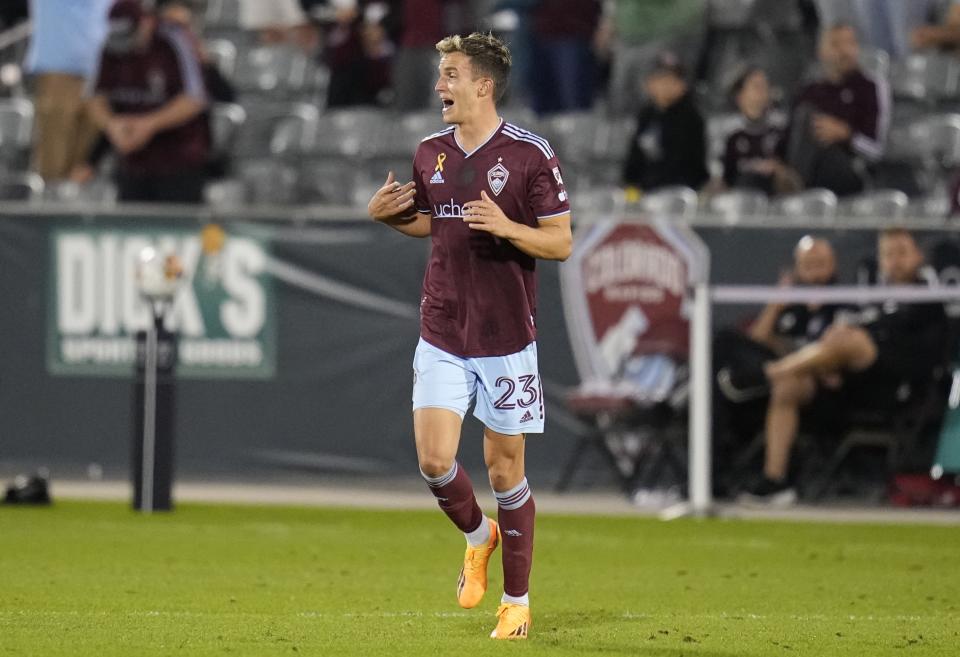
<point x="472" y="134"/>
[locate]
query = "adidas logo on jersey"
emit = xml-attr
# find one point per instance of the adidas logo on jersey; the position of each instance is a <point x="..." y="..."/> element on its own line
<point x="513" y="532"/>
<point x="527" y="417"/>
<point x="437" y="178"/>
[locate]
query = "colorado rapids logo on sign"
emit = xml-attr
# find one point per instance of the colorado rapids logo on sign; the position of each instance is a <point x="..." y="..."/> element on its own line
<point x="497" y="177"/>
<point x="625" y="293"/>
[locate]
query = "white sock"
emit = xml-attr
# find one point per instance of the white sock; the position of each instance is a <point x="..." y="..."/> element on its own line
<point x="522" y="600"/>
<point x="480" y="535"/>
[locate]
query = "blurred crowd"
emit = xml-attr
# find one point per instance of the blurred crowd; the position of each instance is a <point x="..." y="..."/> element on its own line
<point x="94" y="65"/>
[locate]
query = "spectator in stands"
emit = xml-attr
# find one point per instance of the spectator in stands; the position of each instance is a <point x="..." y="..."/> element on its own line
<point x="359" y="53"/>
<point x="945" y="34"/>
<point x="868" y="358"/>
<point x="641" y="30"/>
<point x="751" y="158"/>
<point x="889" y="25"/>
<point x="150" y="102"/>
<point x="563" y="34"/>
<point x="66" y="42"/>
<point x="176" y="13"/>
<point x="839" y="122"/>
<point x="669" y="145"/>
<point x="413" y="71"/>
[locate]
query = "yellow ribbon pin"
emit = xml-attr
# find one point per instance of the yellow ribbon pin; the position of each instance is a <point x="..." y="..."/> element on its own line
<point x="440" y="158"/>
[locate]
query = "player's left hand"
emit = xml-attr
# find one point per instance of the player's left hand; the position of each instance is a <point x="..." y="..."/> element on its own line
<point x="487" y="216"/>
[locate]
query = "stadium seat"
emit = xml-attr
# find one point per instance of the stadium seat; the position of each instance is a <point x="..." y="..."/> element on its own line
<point x="925" y="77"/>
<point x="269" y="182"/>
<point x="222" y="13"/>
<point x="223" y="53"/>
<point x="226" y="121"/>
<point x="405" y="132"/>
<point x="296" y="132"/>
<point x="879" y="203"/>
<point x="931" y="206"/>
<point x="942" y="139"/>
<point x="226" y="194"/>
<point x="26" y="186"/>
<point x="611" y="141"/>
<point x="332" y="181"/>
<point x="97" y="192"/>
<point x="272" y="69"/>
<point x="351" y="132"/>
<point x="573" y="134"/>
<point x="737" y="204"/>
<point x="16" y="130"/>
<point x="677" y="203"/>
<point x="810" y="204"/>
<point x="253" y="136"/>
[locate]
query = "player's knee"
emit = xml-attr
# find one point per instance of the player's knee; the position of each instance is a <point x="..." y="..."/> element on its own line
<point x="504" y="472"/>
<point x="435" y="465"/>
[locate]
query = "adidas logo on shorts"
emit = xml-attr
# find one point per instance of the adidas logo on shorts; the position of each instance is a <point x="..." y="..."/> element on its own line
<point x="527" y="417"/>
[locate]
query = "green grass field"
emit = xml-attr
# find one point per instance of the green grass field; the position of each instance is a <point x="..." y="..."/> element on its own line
<point x="96" y="579"/>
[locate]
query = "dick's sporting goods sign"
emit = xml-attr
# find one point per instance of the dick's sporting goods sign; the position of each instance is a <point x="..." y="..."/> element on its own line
<point x="223" y="313"/>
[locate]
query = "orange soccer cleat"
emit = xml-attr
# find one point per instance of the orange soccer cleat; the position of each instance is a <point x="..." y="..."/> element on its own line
<point x="472" y="583"/>
<point x="514" y="622"/>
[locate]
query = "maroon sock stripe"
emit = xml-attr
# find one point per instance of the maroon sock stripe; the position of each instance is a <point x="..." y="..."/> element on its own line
<point x="442" y="480"/>
<point x="454" y="494"/>
<point x="515" y="497"/>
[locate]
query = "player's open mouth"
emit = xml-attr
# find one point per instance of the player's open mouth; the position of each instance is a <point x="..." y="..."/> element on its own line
<point x="447" y="103"/>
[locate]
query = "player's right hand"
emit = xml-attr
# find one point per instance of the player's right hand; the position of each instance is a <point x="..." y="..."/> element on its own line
<point x="392" y="201"/>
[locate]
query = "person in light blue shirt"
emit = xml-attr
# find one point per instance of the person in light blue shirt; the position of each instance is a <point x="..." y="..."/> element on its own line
<point x="64" y="53"/>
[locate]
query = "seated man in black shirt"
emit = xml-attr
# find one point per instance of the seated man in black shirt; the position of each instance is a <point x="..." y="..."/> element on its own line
<point x="739" y="356"/>
<point x="886" y="345"/>
<point x="669" y="146"/>
<point x="780" y="328"/>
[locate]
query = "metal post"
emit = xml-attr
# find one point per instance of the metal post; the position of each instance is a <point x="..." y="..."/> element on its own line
<point x="150" y="362"/>
<point x="700" y="489"/>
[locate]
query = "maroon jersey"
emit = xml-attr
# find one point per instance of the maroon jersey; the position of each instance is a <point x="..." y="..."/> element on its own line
<point x="137" y="83"/>
<point x="860" y="101"/>
<point x="480" y="291"/>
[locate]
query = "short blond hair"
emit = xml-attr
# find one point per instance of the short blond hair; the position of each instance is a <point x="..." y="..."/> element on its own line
<point x="489" y="56"/>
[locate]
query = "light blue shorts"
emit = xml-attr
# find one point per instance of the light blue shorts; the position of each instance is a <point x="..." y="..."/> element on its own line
<point x="506" y="389"/>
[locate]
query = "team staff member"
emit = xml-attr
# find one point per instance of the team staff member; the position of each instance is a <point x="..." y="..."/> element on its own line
<point x="491" y="197"/>
<point x="886" y="345"/>
<point x="149" y="101"/>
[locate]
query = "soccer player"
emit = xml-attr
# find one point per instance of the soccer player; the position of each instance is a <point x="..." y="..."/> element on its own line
<point x="491" y="197"/>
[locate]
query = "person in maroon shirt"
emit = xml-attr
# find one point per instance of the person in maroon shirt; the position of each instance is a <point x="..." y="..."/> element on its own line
<point x="839" y="123"/>
<point x="563" y="34"/>
<point x="491" y="197"/>
<point x="150" y="101"/>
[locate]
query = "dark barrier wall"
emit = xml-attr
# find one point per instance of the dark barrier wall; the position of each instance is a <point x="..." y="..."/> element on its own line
<point x="334" y="340"/>
<point x="344" y="297"/>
